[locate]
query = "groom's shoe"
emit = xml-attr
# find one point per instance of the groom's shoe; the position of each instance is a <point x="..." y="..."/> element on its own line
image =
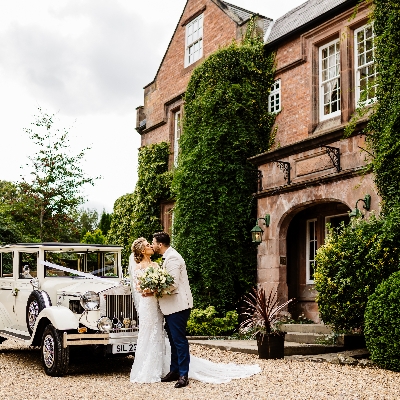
<point x="182" y="382"/>
<point x="170" y="377"/>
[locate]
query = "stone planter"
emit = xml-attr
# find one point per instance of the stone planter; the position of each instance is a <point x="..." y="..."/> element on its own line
<point x="271" y="345"/>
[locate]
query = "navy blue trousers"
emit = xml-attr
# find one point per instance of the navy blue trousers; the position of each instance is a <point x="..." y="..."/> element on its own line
<point x="175" y="325"/>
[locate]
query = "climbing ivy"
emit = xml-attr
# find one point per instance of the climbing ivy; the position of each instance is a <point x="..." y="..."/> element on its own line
<point x="226" y="121"/>
<point x="138" y="214"/>
<point x="384" y="124"/>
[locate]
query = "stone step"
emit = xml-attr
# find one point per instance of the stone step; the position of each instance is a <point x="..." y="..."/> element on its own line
<point x="306" y="328"/>
<point x="309" y="338"/>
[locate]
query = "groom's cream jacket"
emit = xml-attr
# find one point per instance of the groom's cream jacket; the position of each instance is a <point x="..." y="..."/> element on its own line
<point x="181" y="296"/>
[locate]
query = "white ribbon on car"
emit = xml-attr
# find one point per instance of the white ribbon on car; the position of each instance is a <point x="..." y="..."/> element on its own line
<point x="73" y="271"/>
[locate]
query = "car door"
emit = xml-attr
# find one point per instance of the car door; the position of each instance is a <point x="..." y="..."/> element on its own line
<point x="27" y="268"/>
<point x="7" y="285"/>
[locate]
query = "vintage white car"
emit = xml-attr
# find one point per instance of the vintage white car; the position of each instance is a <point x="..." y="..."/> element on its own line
<point x="57" y="295"/>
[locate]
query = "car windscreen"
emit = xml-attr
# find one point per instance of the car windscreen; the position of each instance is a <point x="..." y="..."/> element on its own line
<point x="98" y="263"/>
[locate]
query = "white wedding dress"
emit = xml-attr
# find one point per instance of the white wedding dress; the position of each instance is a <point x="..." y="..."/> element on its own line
<point x="153" y="352"/>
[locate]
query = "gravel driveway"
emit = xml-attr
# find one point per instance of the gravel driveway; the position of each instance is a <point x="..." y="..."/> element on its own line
<point x="22" y="377"/>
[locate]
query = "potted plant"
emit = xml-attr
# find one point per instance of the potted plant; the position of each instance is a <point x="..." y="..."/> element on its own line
<point x="261" y="313"/>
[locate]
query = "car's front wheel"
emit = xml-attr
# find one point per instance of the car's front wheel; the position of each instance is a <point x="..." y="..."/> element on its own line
<point x="55" y="358"/>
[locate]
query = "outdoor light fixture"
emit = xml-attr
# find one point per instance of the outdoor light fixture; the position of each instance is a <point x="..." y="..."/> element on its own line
<point x="256" y="232"/>
<point x="367" y="205"/>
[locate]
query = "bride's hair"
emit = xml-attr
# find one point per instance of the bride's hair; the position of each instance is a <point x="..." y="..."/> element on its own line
<point x="137" y="249"/>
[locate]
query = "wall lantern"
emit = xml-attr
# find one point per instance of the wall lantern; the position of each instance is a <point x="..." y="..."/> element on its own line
<point x="256" y="232"/>
<point x="367" y="205"/>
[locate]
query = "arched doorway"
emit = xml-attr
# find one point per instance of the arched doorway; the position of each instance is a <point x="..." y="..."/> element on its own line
<point x="305" y="234"/>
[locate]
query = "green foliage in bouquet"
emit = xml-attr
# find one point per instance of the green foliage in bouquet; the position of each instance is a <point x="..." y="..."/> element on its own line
<point x="382" y="321"/>
<point x="207" y="323"/>
<point x="156" y="279"/>
<point x="351" y="264"/>
<point x="226" y="122"/>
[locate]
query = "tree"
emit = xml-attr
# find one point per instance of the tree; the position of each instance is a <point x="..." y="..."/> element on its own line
<point x="87" y="221"/>
<point x="56" y="180"/>
<point x="95" y="237"/>
<point x="10" y="228"/>
<point x="105" y="222"/>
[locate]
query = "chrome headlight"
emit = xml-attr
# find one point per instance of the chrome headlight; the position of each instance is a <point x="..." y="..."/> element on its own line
<point x="104" y="324"/>
<point x="90" y="301"/>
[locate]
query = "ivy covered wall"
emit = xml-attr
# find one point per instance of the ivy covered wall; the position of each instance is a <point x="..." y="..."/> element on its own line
<point x="384" y="125"/>
<point x="226" y="121"/>
<point x="138" y="214"/>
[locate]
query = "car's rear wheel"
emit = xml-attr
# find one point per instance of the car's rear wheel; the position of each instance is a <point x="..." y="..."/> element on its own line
<point x="37" y="301"/>
<point x="55" y="358"/>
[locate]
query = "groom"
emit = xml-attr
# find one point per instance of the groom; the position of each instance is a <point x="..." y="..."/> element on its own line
<point x="176" y="309"/>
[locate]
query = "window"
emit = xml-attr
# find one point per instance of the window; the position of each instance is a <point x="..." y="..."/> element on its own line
<point x="365" y="68"/>
<point x="329" y="69"/>
<point x="194" y="40"/>
<point x="177" y="135"/>
<point x="311" y="250"/>
<point x="98" y="263"/>
<point x="274" y="99"/>
<point x="27" y="265"/>
<point x="6" y="265"/>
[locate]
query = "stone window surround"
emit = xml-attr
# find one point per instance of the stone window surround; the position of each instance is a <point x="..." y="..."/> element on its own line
<point x="343" y="27"/>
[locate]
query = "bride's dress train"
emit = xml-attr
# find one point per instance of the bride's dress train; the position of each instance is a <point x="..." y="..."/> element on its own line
<point x="153" y="352"/>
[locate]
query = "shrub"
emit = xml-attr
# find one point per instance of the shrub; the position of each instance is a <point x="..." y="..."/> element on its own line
<point x="207" y="323"/>
<point x="382" y="323"/>
<point x="351" y="264"/>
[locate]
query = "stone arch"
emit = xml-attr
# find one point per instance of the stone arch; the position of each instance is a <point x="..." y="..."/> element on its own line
<point x="286" y="218"/>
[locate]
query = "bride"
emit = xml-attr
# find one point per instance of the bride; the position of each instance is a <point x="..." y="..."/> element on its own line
<point x="153" y="351"/>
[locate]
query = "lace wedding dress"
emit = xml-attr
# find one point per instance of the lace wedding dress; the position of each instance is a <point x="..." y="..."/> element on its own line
<point x="153" y="352"/>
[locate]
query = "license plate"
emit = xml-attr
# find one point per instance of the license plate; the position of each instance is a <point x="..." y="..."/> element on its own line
<point x="124" y="348"/>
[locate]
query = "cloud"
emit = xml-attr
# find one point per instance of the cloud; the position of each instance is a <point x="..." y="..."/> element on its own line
<point x="100" y="66"/>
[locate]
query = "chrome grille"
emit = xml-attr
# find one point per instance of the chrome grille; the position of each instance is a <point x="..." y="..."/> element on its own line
<point x="119" y="307"/>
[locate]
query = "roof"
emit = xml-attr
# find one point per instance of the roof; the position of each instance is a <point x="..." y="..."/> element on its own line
<point x="241" y="13"/>
<point x="301" y="16"/>
<point x="237" y="14"/>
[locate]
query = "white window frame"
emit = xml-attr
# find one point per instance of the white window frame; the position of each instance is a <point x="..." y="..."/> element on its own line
<point x="177" y="134"/>
<point x="308" y="255"/>
<point x="370" y="65"/>
<point x="274" y="98"/>
<point x="194" y="40"/>
<point x="333" y="73"/>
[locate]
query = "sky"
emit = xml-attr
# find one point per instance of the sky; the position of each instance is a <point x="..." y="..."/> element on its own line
<point x="87" y="61"/>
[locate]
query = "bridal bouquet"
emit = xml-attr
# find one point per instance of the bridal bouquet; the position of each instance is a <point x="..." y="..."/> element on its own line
<point x="158" y="280"/>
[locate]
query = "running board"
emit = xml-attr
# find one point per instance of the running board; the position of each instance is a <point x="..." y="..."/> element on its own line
<point x="16" y="334"/>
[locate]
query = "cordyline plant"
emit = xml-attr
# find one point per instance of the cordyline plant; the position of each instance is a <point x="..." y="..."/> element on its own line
<point x="261" y="311"/>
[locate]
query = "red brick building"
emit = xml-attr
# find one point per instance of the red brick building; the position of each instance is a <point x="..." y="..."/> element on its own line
<point x="312" y="176"/>
<point x="204" y="27"/>
<point x="324" y="60"/>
